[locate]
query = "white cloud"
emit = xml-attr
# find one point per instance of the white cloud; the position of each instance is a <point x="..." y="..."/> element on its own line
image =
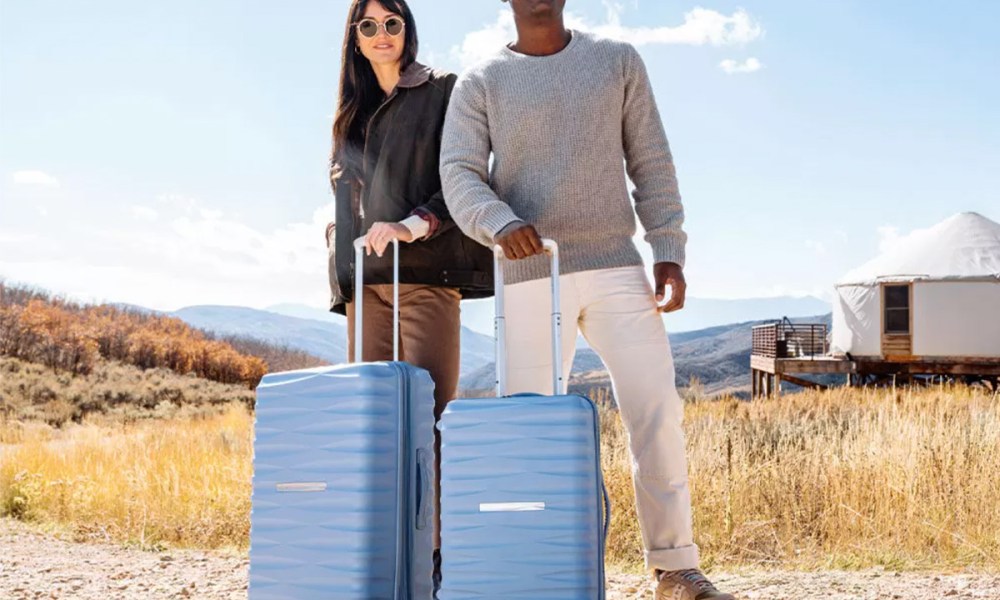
<point x="701" y="27"/>
<point x="17" y="238"/>
<point x="732" y="67"/>
<point x="817" y="247"/>
<point x="180" y="202"/>
<point x="482" y="43"/>
<point x="33" y="177"/>
<point x="144" y="213"/>
<point x="181" y="252"/>
<point x="210" y="214"/>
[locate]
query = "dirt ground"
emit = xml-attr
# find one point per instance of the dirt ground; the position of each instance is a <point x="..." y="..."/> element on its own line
<point x="36" y="565"/>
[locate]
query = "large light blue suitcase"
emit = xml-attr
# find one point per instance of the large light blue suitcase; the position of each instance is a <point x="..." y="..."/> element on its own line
<point x="343" y="505"/>
<point x="524" y="511"/>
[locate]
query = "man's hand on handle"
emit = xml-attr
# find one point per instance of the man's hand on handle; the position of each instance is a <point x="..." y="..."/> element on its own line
<point x="668" y="273"/>
<point x="520" y="240"/>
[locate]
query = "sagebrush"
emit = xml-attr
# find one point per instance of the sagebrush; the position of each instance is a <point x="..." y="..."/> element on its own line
<point x="76" y="338"/>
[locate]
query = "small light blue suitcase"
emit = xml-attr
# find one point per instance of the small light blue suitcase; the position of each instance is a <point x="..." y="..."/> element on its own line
<point x="343" y="505"/>
<point x="524" y="511"/>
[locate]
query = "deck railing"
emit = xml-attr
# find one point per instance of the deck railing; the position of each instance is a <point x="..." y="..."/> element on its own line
<point x="790" y="340"/>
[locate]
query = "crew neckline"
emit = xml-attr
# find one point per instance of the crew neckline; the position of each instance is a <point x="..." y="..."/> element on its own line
<point x="573" y="37"/>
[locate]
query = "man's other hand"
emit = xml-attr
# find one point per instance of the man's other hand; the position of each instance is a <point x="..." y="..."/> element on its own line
<point x="668" y="273"/>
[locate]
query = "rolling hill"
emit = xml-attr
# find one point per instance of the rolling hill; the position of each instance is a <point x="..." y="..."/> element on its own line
<point x="717" y="357"/>
<point x="319" y="333"/>
<point x="698" y="313"/>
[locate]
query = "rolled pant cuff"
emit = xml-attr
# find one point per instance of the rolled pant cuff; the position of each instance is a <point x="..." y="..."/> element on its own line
<point x="673" y="559"/>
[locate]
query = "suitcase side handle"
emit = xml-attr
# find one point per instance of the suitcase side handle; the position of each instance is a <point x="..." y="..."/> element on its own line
<point x="425" y="479"/>
<point x="500" y="330"/>
<point x="359" y="280"/>
<point x="607" y="511"/>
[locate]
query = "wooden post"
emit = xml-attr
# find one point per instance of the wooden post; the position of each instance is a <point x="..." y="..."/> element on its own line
<point x="753" y="383"/>
<point x="777" y="385"/>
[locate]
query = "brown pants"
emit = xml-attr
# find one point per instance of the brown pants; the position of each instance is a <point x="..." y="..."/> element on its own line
<point x="429" y="330"/>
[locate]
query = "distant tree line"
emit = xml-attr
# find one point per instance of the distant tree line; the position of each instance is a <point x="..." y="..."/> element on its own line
<point x="38" y="327"/>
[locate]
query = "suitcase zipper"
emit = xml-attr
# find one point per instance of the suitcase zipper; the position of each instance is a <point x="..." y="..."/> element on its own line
<point x="404" y="550"/>
<point x="605" y="508"/>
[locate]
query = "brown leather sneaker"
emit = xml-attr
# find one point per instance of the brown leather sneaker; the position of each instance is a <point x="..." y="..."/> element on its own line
<point x="689" y="584"/>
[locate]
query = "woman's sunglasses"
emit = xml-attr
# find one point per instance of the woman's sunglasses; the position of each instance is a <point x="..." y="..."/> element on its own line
<point x="368" y="27"/>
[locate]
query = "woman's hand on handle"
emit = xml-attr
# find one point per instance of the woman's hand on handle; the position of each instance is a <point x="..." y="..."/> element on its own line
<point x="381" y="235"/>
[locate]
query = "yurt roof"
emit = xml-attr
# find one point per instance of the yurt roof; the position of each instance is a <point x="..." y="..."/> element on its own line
<point x="963" y="246"/>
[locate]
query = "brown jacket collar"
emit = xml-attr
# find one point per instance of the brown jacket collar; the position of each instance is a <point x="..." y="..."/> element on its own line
<point x="414" y="75"/>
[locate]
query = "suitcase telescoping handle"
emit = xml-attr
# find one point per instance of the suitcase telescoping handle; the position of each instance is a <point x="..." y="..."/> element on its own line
<point x="500" y="330"/>
<point x="359" y="280"/>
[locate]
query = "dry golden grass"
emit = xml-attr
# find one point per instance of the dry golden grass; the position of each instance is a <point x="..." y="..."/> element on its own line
<point x="847" y="478"/>
<point x="841" y="479"/>
<point x="182" y="483"/>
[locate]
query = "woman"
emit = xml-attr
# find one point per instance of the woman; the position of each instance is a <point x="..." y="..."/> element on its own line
<point x="384" y="172"/>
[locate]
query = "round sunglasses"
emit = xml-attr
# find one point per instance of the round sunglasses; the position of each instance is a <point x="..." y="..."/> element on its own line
<point x="368" y="27"/>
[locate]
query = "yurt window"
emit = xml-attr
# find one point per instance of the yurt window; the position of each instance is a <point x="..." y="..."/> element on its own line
<point x="897" y="309"/>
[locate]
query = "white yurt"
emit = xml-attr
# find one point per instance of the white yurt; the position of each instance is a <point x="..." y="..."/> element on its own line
<point x="933" y="295"/>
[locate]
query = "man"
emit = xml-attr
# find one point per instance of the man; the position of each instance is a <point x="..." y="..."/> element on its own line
<point x="560" y="110"/>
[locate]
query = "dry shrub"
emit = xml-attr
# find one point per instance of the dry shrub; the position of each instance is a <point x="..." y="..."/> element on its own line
<point x="73" y="337"/>
<point x="111" y="392"/>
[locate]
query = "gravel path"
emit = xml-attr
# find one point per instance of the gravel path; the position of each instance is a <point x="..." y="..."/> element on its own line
<point x="35" y="565"/>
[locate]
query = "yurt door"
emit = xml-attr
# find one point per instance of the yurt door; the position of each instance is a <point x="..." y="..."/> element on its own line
<point x="897" y="320"/>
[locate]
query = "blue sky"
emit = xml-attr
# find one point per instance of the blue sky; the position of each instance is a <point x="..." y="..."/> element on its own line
<point x="174" y="153"/>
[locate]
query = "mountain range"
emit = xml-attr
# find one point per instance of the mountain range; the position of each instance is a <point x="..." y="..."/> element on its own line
<point x="698" y="313"/>
<point x="717" y="358"/>
<point x="320" y="333"/>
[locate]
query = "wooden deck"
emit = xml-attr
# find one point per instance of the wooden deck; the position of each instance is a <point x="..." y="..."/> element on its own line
<point x="767" y="373"/>
<point x="784" y="351"/>
<point x="814" y="365"/>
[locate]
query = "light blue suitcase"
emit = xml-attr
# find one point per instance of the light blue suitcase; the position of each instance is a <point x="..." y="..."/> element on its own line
<point x="343" y="505"/>
<point x="524" y="511"/>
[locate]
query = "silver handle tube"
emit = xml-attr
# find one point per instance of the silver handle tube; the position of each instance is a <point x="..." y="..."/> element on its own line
<point x="359" y="280"/>
<point x="500" y="321"/>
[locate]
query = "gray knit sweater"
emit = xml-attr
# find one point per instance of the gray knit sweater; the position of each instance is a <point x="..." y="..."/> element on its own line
<point x="559" y="128"/>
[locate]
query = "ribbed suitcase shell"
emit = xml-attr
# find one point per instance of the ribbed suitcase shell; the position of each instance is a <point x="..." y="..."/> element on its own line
<point x="337" y="484"/>
<point x="521" y="499"/>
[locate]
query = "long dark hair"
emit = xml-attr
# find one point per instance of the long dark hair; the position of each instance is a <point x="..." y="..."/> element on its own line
<point x="360" y="94"/>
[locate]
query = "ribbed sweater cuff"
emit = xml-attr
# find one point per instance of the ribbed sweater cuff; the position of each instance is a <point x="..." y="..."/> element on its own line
<point x="668" y="249"/>
<point x="495" y="218"/>
<point x="509" y="226"/>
